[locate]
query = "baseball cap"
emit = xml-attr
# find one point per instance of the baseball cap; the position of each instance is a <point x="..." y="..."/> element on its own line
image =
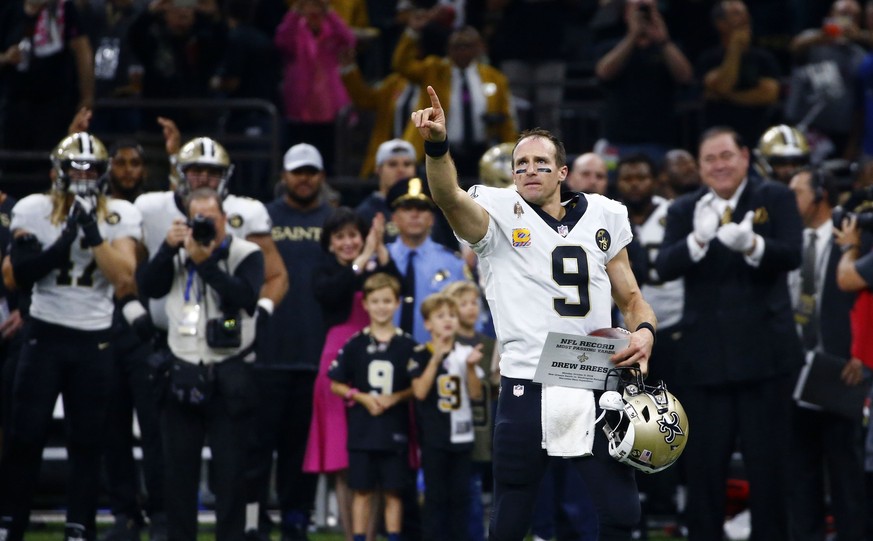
<point x="394" y="147"/>
<point x="303" y="155"/>
<point x="412" y="192"/>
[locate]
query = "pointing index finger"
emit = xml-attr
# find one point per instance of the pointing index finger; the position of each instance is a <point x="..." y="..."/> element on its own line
<point x="434" y="99"/>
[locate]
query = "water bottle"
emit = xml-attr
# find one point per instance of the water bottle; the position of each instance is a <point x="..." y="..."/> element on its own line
<point x="24" y="50"/>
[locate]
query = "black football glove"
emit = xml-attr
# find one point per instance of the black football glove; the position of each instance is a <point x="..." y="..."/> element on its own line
<point x="86" y="216"/>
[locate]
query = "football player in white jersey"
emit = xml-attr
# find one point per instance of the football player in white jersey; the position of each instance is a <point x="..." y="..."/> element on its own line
<point x="72" y="246"/>
<point x="548" y="265"/>
<point x="203" y="162"/>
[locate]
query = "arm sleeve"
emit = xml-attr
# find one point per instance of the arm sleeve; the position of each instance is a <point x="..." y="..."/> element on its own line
<point x="237" y="290"/>
<point x="157" y="276"/>
<point x="334" y="285"/>
<point x="30" y="262"/>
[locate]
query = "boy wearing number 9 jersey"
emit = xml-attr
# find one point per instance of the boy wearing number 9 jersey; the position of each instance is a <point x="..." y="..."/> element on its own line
<point x="370" y="372"/>
<point x="445" y="378"/>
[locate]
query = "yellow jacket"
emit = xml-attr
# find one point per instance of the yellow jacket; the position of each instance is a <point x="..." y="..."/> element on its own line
<point x="382" y="99"/>
<point x="436" y="71"/>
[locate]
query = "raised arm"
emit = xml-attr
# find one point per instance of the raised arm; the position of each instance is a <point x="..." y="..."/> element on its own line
<point x="468" y="219"/>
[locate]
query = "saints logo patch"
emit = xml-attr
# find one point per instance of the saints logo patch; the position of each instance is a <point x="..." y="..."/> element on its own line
<point x="520" y="237"/>
<point x="670" y="427"/>
<point x="603" y="240"/>
<point x="235" y="221"/>
<point x="113" y="218"/>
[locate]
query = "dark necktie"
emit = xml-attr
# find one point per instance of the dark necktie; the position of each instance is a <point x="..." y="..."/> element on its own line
<point x="407" y="309"/>
<point x="807" y="291"/>
<point x="467" y="104"/>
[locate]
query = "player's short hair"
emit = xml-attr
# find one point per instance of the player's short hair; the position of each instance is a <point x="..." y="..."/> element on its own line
<point x="456" y="289"/>
<point x="381" y="280"/>
<point x="637" y="158"/>
<point x="560" y="151"/>
<point x="434" y="302"/>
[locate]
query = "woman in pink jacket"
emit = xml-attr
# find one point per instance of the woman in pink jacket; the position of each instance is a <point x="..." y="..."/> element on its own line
<point x="310" y="40"/>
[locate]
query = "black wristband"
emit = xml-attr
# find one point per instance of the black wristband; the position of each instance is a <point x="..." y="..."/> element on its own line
<point x="435" y="150"/>
<point x="650" y="327"/>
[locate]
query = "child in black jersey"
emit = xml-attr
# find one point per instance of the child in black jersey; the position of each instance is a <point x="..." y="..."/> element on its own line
<point x="370" y="371"/>
<point x="445" y="377"/>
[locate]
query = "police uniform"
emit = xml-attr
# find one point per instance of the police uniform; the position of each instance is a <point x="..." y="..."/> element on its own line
<point x="545" y="275"/>
<point x="446" y="427"/>
<point x="66" y="350"/>
<point x="377" y="444"/>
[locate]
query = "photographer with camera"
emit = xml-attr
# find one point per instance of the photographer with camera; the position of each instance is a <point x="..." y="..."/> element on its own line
<point x="211" y="280"/>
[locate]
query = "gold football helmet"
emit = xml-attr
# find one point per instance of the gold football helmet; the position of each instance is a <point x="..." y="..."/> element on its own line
<point x="85" y="155"/>
<point x="646" y="426"/>
<point x="208" y="153"/>
<point x="780" y="152"/>
<point x="495" y="166"/>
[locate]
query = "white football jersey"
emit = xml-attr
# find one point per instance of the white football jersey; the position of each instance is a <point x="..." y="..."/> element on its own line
<point x="245" y="216"/>
<point x="666" y="298"/>
<point x="79" y="295"/>
<point x="538" y="280"/>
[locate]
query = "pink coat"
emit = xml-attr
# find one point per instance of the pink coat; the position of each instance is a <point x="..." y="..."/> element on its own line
<point x="312" y="90"/>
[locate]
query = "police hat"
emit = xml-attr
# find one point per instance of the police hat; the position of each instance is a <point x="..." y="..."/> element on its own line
<point x="410" y="192"/>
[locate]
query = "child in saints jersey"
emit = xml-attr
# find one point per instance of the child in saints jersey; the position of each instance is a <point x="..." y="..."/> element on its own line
<point x="370" y="373"/>
<point x="445" y="377"/>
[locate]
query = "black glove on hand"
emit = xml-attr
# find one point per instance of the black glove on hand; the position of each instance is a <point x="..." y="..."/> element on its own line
<point x="86" y="216"/>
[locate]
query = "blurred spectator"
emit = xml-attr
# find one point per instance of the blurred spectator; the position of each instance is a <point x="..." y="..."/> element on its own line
<point x="822" y="94"/>
<point x="640" y="75"/>
<point x="117" y="72"/>
<point x="740" y="81"/>
<point x="180" y="44"/>
<point x="476" y="96"/>
<point x="249" y="70"/>
<point x="310" y="40"/>
<point x="395" y="161"/>
<point x="825" y="459"/>
<point x="392" y="100"/>
<point x="536" y="68"/>
<point x="41" y="42"/>
<point x="679" y="174"/>
<point x="647" y="213"/>
<point x="588" y="174"/>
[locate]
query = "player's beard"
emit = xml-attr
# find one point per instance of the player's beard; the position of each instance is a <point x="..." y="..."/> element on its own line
<point x="302" y="200"/>
<point x="128" y="194"/>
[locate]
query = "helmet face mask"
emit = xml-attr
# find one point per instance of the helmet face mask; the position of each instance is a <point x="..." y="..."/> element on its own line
<point x="80" y="162"/>
<point x="203" y="157"/>
<point x="647" y="428"/>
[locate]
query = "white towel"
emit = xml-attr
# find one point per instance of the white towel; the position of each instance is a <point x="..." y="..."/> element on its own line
<point x="567" y="421"/>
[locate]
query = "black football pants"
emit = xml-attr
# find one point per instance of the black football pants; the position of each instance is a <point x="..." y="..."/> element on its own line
<point x="75" y="364"/>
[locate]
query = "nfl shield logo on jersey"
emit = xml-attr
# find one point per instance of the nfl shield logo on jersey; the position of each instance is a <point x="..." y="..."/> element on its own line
<point x="520" y="237"/>
<point x="517" y="390"/>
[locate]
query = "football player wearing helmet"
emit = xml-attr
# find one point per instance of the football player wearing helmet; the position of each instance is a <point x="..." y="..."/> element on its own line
<point x="73" y="247"/>
<point x="131" y="386"/>
<point x="547" y="265"/>
<point x="495" y="166"/>
<point x="781" y="152"/>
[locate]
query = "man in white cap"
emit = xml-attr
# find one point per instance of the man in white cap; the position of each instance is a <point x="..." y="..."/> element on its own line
<point x="395" y="160"/>
<point x="292" y="348"/>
